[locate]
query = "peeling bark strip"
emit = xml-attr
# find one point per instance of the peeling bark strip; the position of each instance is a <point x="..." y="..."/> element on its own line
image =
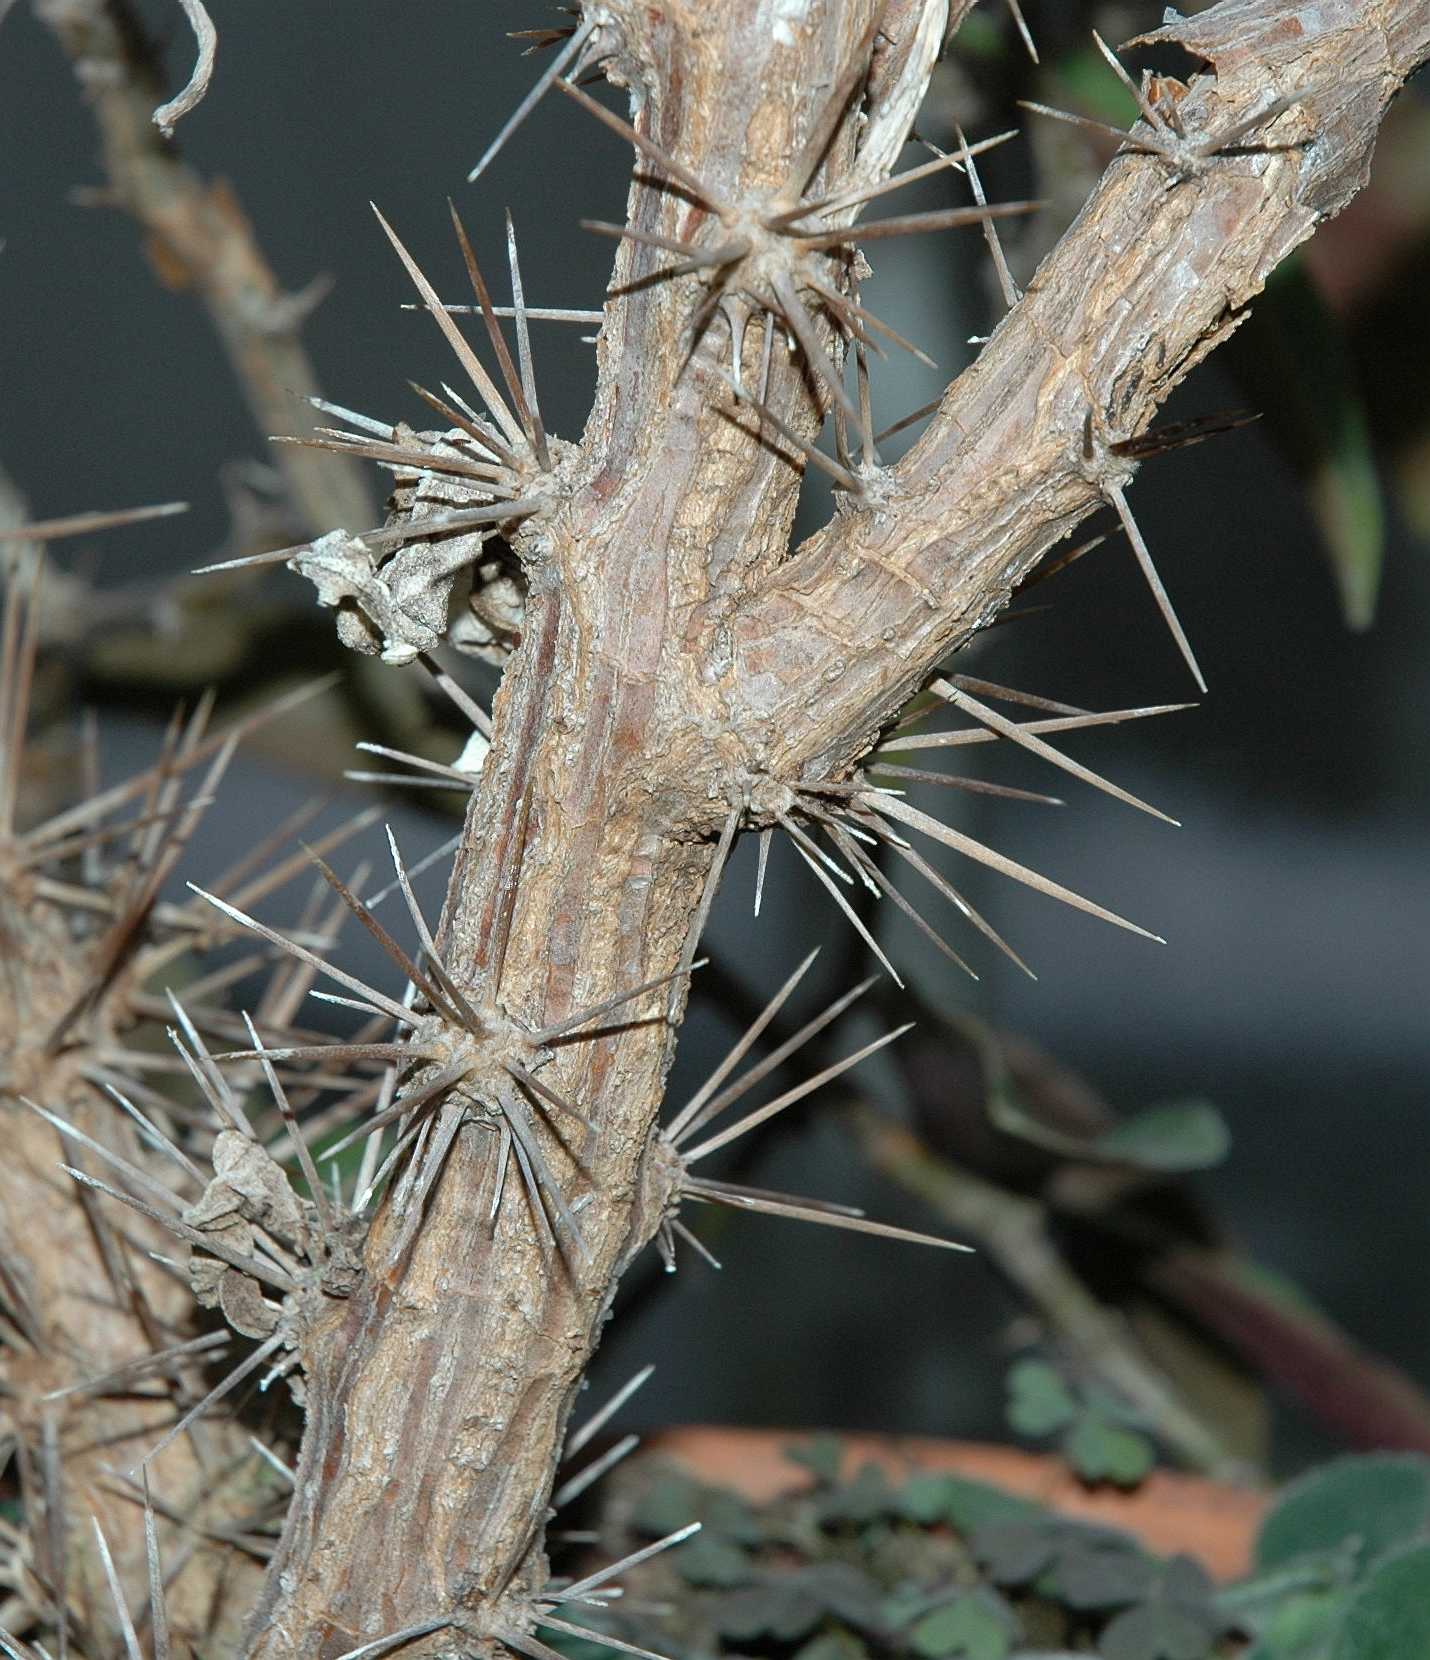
<point x="687" y="666"/>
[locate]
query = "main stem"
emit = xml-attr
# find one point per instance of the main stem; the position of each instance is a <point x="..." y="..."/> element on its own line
<point x="439" y="1394"/>
<point x="443" y="1387"/>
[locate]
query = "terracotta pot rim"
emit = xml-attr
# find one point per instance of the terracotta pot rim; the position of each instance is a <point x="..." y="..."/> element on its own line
<point x="1169" y="1512"/>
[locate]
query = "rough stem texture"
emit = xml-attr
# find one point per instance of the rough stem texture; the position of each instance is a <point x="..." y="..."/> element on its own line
<point x="677" y="663"/>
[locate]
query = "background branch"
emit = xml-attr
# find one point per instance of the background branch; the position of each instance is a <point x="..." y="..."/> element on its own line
<point x="198" y="236"/>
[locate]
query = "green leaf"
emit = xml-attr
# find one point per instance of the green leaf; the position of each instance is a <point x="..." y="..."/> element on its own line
<point x="788" y="1605"/>
<point x="1039" y="1402"/>
<point x="1102" y="1570"/>
<point x="1174" y="1137"/>
<point x="1389" y="1616"/>
<point x="975" y="1627"/>
<point x="776" y="1609"/>
<point x="1301" y="1627"/>
<point x="1293" y="359"/>
<point x="670" y="1502"/>
<point x="823" y="1455"/>
<point x="925" y="1499"/>
<point x="1292" y="1609"/>
<point x="1103" y="1451"/>
<point x="833" y="1645"/>
<point x="961" y="1502"/>
<point x="1176" y="1616"/>
<point x="1156" y="1631"/>
<point x="1016" y="1552"/>
<point x="708" y="1560"/>
<point x="867" y="1496"/>
<point x="1380" y="1499"/>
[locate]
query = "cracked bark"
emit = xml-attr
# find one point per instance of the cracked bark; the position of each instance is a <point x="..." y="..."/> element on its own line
<point x="676" y="663"/>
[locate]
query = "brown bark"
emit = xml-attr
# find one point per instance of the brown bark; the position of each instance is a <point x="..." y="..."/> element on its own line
<point x="85" y="1300"/>
<point x="677" y="665"/>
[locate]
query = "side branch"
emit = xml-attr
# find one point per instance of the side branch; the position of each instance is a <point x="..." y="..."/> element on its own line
<point x="1155" y="272"/>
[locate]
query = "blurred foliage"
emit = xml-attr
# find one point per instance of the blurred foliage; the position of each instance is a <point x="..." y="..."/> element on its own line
<point x="1099" y="1435"/>
<point x="860" y="1567"/>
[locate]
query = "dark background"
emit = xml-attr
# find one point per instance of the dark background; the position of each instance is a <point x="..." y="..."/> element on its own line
<point x="1296" y="897"/>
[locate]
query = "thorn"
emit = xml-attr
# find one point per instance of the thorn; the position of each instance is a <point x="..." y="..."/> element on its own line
<point x="271" y="1459"/>
<point x="1150" y="113"/>
<point x="826" y="123"/>
<point x="131" y="1369"/>
<point x="1076" y="120"/>
<point x="535" y="313"/>
<point x="382" y="1002"/>
<point x="1064" y="723"/>
<point x="543" y="84"/>
<point x="252" y="1266"/>
<point x="914" y="224"/>
<point x="116" y="1592"/>
<point x="1009" y="288"/>
<point x="743" y="1125"/>
<point x="528" y="424"/>
<point x="793" y="311"/>
<point x="1114" y="494"/>
<point x="702" y="912"/>
<point x="523" y="348"/>
<point x="870" y="321"/>
<point x="436" y="1085"/>
<point x="1036" y="746"/>
<point x="230" y="1383"/>
<point x="405" y="459"/>
<point x="158" y="1600"/>
<point x="648" y="147"/>
<point x="881" y="884"/>
<point x="974" y="786"/>
<point x="841" y="476"/>
<point x="1010" y="694"/>
<point x="583" y="1017"/>
<point x="892" y="807"/>
<point x="378" y="429"/>
<point x="450" y="989"/>
<point x="807" y="1210"/>
<point x="395" y="1639"/>
<point x="452" y="774"/>
<point x="583" y="1479"/>
<point x="677" y="1129"/>
<point x="535" y="1086"/>
<point x="541" y="1186"/>
<point x="867" y="193"/>
<point x="456" y="340"/>
<point x="295" y="1135"/>
<point x="907" y="421"/>
<point x="713" y="1107"/>
<point x="83" y="524"/>
<point x="1177" y="435"/>
<point x="445" y="851"/>
<point x="1041" y="572"/>
<point x="1015" y="11"/>
<point x="459" y="696"/>
<point x="69" y="1132"/>
<point x="576" y="1592"/>
<point x="586" y="1634"/>
<point x="812" y="856"/>
<point x="766" y="836"/>
<point x="603" y="1415"/>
